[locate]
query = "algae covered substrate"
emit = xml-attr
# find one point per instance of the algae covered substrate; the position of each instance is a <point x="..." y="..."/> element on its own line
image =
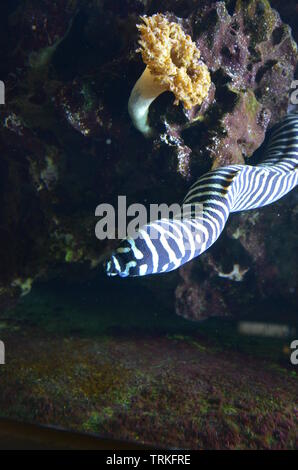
<point x="112" y="361"/>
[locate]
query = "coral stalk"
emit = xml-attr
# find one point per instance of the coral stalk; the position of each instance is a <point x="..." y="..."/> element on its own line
<point x="145" y="91"/>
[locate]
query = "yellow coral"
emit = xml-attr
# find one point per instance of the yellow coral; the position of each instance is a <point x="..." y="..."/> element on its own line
<point x="174" y="60"/>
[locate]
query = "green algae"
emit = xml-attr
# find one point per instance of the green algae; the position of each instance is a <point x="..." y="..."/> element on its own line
<point x="188" y="340"/>
<point x="251" y="104"/>
<point x="96" y="419"/>
<point x="259" y="18"/>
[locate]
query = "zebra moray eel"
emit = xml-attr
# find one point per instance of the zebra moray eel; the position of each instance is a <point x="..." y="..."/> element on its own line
<point x="164" y="245"/>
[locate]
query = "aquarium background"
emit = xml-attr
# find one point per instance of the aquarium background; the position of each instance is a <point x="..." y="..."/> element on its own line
<point x="193" y="359"/>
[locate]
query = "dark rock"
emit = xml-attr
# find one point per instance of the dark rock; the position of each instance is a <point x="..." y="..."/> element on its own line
<point x="252" y="58"/>
<point x="252" y="262"/>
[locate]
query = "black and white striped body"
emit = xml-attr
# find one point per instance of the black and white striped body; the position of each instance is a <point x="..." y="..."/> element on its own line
<point x="165" y="244"/>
